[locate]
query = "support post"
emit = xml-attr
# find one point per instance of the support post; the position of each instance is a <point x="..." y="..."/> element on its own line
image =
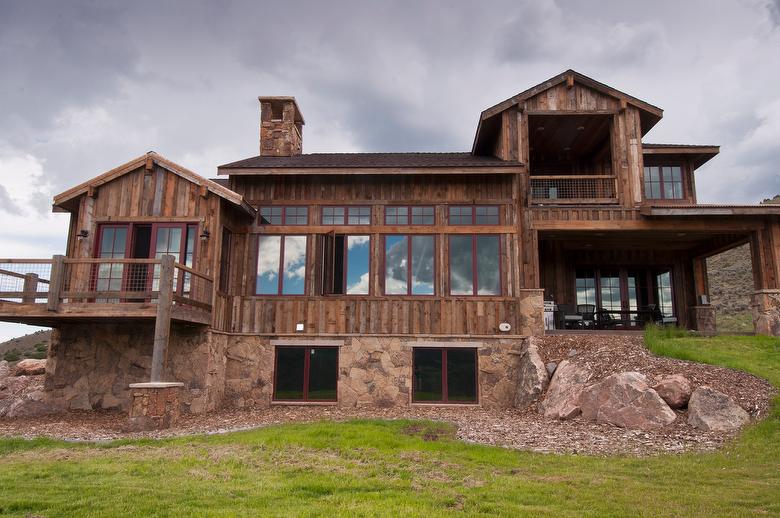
<point x="162" y="325"/>
<point x="55" y="282"/>
<point x="30" y="288"/>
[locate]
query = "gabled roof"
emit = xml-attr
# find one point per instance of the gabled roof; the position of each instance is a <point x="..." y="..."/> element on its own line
<point x="650" y="114"/>
<point x="142" y="161"/>
<point x="316" y="163"/>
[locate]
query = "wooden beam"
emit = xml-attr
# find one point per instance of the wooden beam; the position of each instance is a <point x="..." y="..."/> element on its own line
<point x="30" y="289"/>
<point x="162" y="325"/>
<point x="55" y="283"/>
<point x="569" y="81"/>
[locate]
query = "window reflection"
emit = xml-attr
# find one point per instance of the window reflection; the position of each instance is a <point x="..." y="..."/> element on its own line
<point x="358" y="250"/>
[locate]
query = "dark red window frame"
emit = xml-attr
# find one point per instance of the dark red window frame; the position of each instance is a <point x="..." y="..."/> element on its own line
<point x="279" y="288"/>
<point x="409" y="216"/>
<point x="473" y="214"/>
<point x="444" y="389"/>
<point x="662" y="184"/>
<point x="284" y="215"/>
<point x="475" y="267"/>
<point x="409" y="268"/>
<point x="306" y="370"/>
<point x="346" y="215"/>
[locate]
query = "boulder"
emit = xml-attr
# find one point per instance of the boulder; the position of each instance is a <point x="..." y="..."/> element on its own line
<point x="31" y="408"/>
<point x="551" y="368"/>
<point x="30" y="367"/>
<point x="711" y="410"/>
<point x="5" y="370"/>
<point x="533" y="377"/>
<point x="625" y="400"/>
<point x="675" y="390"/>
<point x="563" y="394"/>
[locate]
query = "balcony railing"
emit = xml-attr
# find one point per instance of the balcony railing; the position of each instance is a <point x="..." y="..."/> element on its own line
<point x="581" y="189"/>
<point x="102" y="287"/>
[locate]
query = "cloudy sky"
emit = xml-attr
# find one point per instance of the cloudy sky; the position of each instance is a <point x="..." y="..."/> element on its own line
<point x="87" y="85"/>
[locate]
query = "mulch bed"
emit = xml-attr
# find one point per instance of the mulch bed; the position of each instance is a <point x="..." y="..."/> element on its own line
<point x="524" y="430"/>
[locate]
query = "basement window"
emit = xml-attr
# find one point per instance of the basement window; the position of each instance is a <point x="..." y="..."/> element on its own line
<point x="306" y="374"/>
<point x="444" y="375"/>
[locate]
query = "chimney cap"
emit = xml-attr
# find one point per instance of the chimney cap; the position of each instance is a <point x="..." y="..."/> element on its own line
<point x="271" y="98"/>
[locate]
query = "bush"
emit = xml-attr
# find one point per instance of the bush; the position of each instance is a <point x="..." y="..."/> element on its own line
<point x="12" y="356"/>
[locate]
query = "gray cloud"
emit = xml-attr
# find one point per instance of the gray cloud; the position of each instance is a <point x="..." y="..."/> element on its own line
<point x="6" y="203"/>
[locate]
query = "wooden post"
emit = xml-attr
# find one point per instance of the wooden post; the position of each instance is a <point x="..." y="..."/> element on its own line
<point x="162" y="325"/>
<point x="701" y="282"/>
<point x="30" y="288"/>
<point x="55" y="282"/>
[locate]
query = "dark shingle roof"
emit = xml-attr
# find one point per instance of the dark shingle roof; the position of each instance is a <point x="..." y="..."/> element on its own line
<point x="358" y="160"/>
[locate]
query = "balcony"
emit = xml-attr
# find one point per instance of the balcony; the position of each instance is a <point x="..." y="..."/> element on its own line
<point x="573" y="189"/>
<point x="51" y="291"/>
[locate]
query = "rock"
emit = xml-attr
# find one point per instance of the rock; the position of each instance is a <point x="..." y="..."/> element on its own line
<point x="675" y="390"/>
<point x="563" y="394"/>
<point x="572" y="353"/>
<point x="711" y="410"/>
<point x="533" y="377"/>
<point x="625" y="400"/>
<point x="80" y="402"/>
<point x="551" y="368"/>
<point x="30" y="367"/>
<point x="30" y="408"/>
<point x="5" y="370"/>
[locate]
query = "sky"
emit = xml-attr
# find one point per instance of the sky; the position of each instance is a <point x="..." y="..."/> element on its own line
<point x="88" y="85"/>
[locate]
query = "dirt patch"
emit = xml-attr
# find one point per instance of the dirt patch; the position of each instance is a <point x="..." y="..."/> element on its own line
<point x="430" y="431"/>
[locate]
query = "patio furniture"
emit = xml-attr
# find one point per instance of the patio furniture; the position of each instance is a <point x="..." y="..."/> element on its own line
<point x="588" y="314"/>
<point x="570" y="319"/>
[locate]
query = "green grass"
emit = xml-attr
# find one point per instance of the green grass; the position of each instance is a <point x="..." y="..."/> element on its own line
<point x="741" y="322"/>
<point x="373" y="467"/>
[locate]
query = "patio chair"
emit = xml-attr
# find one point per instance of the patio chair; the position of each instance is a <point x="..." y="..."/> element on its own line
<point x="588" y="314"/>
<point x="570" y="319"/>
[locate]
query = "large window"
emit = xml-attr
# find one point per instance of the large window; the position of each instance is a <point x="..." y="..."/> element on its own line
<point x="627" y="293"/>
<point x="475" y="265"/>
<point x="281" y="265"/>
<point x="663" y="282"/>
<point x="473" y="215"/>
<point x="446" y="375"/>
<point x="409" y="264"/>
<point x="663" y="182"/>
<point x="306" y="373"/>
<point x="283" y="216"/>
<point x="409" y="216"/>
<point x="345" y="264"/>
<point x="346" y="215"/>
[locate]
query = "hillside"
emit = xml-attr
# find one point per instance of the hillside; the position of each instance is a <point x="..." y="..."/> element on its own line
<point x="33" y="345"/>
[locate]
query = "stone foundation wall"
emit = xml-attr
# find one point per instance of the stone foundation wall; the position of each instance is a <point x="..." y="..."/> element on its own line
<point x="373" y="371"/>
<point x="703" y="320"/>
<point x="90" y="366"/>
<point x="766" y="312"/>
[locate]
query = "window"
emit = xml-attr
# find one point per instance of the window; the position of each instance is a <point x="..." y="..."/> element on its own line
<point x="284" y="216"/>
<point x="346" y="215"/>
<point x="610" y="290"/>
<point x="345" y="264"/>
<point x="663" y="182"/>
<point x="281" y="265"/>
<point x="409" y="216"/>
<point x="108" y="276"/>
<point x="475" y="265"/>
<point x="663" y="282"/>
<point x="306" y="373"/>
<point x="224" y="260"/>
<point x="409" y="265"/>
<point x="446" y="375"/>
<point x="474" y="215"/>
<point x="586" y="287"/>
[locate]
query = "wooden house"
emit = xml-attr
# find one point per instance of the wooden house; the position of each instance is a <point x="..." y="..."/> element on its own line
<point x="383" y="278"/>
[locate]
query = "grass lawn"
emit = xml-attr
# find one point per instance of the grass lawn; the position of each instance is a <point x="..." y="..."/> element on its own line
<point x="395" y="468"/>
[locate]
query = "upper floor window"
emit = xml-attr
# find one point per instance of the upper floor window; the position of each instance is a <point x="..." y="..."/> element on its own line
<point x="475" y="265"/>
<point x="284" y="215"/>
<point x="663" y="183"/>
<point x="409" y="264"/>
<point x="346" y="215"/>
<point x="281" y="265"/>
<point x="473" y="215"/>
<point x="409" y="216"/>
<point x="345" y="264"/>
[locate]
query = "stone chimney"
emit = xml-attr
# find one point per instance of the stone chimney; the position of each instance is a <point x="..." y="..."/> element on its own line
<point x="281" y="127"/>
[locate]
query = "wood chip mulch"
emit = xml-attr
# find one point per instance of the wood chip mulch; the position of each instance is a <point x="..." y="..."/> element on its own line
<point x="524" y="430"/>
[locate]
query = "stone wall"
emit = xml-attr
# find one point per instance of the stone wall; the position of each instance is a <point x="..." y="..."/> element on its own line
<point x="531" y="312"/>
<point x="766" y="312"/>
<point x="90" y="366"/>
<point x="373" y="371"/>
<point x="703" y="320"/>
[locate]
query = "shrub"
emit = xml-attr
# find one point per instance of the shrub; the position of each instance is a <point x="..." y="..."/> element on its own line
<point x="12" y="356"/>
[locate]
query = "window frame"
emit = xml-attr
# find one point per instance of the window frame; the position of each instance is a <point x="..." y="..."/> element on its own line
<point x="473" y="214"/>
<point x="444" y="389"/>
<point x="346" y="222"/>
<point x="281" y="267"/>
<point x="306" y="372"/>
<point x="409" y="268"/>
<point x="409" y="215"/>
<point x="284" y="215"/>
<point x="474" y="266"/>
<point x="662" y="184"/>
<point x="648" y="285"/>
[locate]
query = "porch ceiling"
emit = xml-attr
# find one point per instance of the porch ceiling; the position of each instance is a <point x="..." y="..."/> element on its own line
<point x="699" y="242"/>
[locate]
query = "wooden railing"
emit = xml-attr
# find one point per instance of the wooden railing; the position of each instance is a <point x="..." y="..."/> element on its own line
<point x="582" y="189"/>
<point x="95" y="280"/>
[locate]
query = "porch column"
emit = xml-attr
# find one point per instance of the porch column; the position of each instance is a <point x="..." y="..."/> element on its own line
<point x="162" y="324"/>
<point x="702" y="312"/>
<point x="765" y="255"/>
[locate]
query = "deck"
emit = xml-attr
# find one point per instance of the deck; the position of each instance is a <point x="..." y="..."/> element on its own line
<point x="49" y="292"/>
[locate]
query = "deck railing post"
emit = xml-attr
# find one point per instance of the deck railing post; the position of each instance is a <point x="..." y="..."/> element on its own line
<point x="30" y="289"/>
<point x="162" y="325"/>
<point x="55" y="282"/>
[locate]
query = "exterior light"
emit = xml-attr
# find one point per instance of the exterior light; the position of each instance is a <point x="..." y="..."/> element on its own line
<point x="82" y="235"/>
<point x="205" y="235"/>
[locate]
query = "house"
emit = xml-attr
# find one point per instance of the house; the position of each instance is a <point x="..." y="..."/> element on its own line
<point x="381" y="278"/>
